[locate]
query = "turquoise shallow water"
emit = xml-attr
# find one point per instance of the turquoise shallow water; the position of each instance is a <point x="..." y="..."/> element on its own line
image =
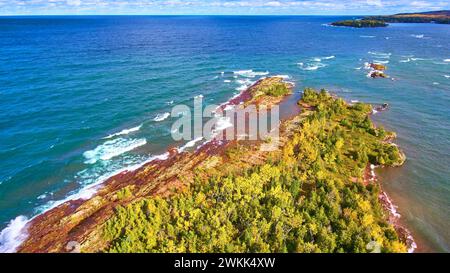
<point x="67" y="83"/>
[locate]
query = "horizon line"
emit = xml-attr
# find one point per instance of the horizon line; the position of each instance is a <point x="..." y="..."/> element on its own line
<point x="121" y="14"/>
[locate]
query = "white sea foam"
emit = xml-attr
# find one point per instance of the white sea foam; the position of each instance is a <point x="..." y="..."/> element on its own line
<point x="93" y="185"/>
<point x="367" y="36"/>
<point x="380" y="62"/>
<point x="418" y="36"/>
<point x="447" y="60"/>
<point x="319" y="59"/>
<point x="311" y="66"/>
<point x="124" y="132"/>
<point x="405" y="61"/>
<point x="112" y="148"/>
<point x="284" y="77"/>
<point x="161" y="117"/>
<point x="222" y="123"/>
<point x="250" y="73"/>
<point x="447" y="76"/>
<point x="169" y="102"/>
<point x="229" y="107"/>
<point x="227" y="81"/>
<point x="42" y="196"/>
<point x="13" y="235"/>
<point x="190" y="144"/>
<point x="392" y="208"/>
<point x="380" y="54"/>
<point x="243" y="84"/>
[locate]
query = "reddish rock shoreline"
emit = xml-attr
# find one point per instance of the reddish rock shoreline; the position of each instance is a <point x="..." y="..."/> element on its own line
<point x="81" y="220"/>
<point x="78" y="220"/>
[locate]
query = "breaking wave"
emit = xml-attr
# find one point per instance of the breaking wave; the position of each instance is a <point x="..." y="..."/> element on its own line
<point x="13" y="235"/>
<point x="161" y="117"/>
<point x="112" y="148"/>
<point x="124" y="132"/>
<point x="250" y="73"/>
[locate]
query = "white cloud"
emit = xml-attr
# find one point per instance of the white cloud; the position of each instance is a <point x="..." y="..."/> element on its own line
<point x="273" y="4"/>
<point x="376" y="3"/>
<point x="75" y="3"/>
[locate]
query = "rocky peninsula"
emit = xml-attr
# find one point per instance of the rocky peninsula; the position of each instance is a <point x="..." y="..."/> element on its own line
<point x="314" y="193"/>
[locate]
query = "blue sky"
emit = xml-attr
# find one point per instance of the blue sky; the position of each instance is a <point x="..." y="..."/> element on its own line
<point x="248" y="7"/>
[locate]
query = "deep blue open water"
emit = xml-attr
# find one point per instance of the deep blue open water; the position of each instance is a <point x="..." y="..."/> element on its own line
<point x="79" y="96"/>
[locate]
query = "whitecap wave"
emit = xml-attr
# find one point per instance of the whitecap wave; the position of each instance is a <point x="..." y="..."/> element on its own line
<point x="418" y="36"/>
<point x="447" y="60"/>
<point x="447" y="76"/>
<point x="250" y="73"/>
<point x="124" y="132"/>
<point x="319" y="59"/>
<point x="380" y="62"/>
<point x="380" y="54"/>
<point x="311" y="66"/>
<point x="405" y="61"/>
<point x="13" y="235"/>
<point x="161" y="117"/>
<point x="367" y="36"/>
<point x="112" y="148"/>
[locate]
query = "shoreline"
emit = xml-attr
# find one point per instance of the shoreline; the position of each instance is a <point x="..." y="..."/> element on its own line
<point x="127" y="178"/>
<point x="19" y="227"/>
<point x="388" y="206"/>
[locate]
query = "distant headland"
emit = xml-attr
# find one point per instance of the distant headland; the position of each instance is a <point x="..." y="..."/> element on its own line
<point x="438" y="17"/>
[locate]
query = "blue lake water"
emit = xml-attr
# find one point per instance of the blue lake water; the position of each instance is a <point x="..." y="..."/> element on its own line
<point x="79" y="96"/>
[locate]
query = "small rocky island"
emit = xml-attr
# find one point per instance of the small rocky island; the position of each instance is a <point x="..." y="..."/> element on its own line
<point x="376" y="70"/>
<point x="360" y="23"/>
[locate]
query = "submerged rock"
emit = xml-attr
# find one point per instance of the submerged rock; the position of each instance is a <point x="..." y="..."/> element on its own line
<point x="377" y="74"/>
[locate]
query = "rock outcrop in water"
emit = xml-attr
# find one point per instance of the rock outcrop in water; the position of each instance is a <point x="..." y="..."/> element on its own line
<point x="376" y="70"/>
